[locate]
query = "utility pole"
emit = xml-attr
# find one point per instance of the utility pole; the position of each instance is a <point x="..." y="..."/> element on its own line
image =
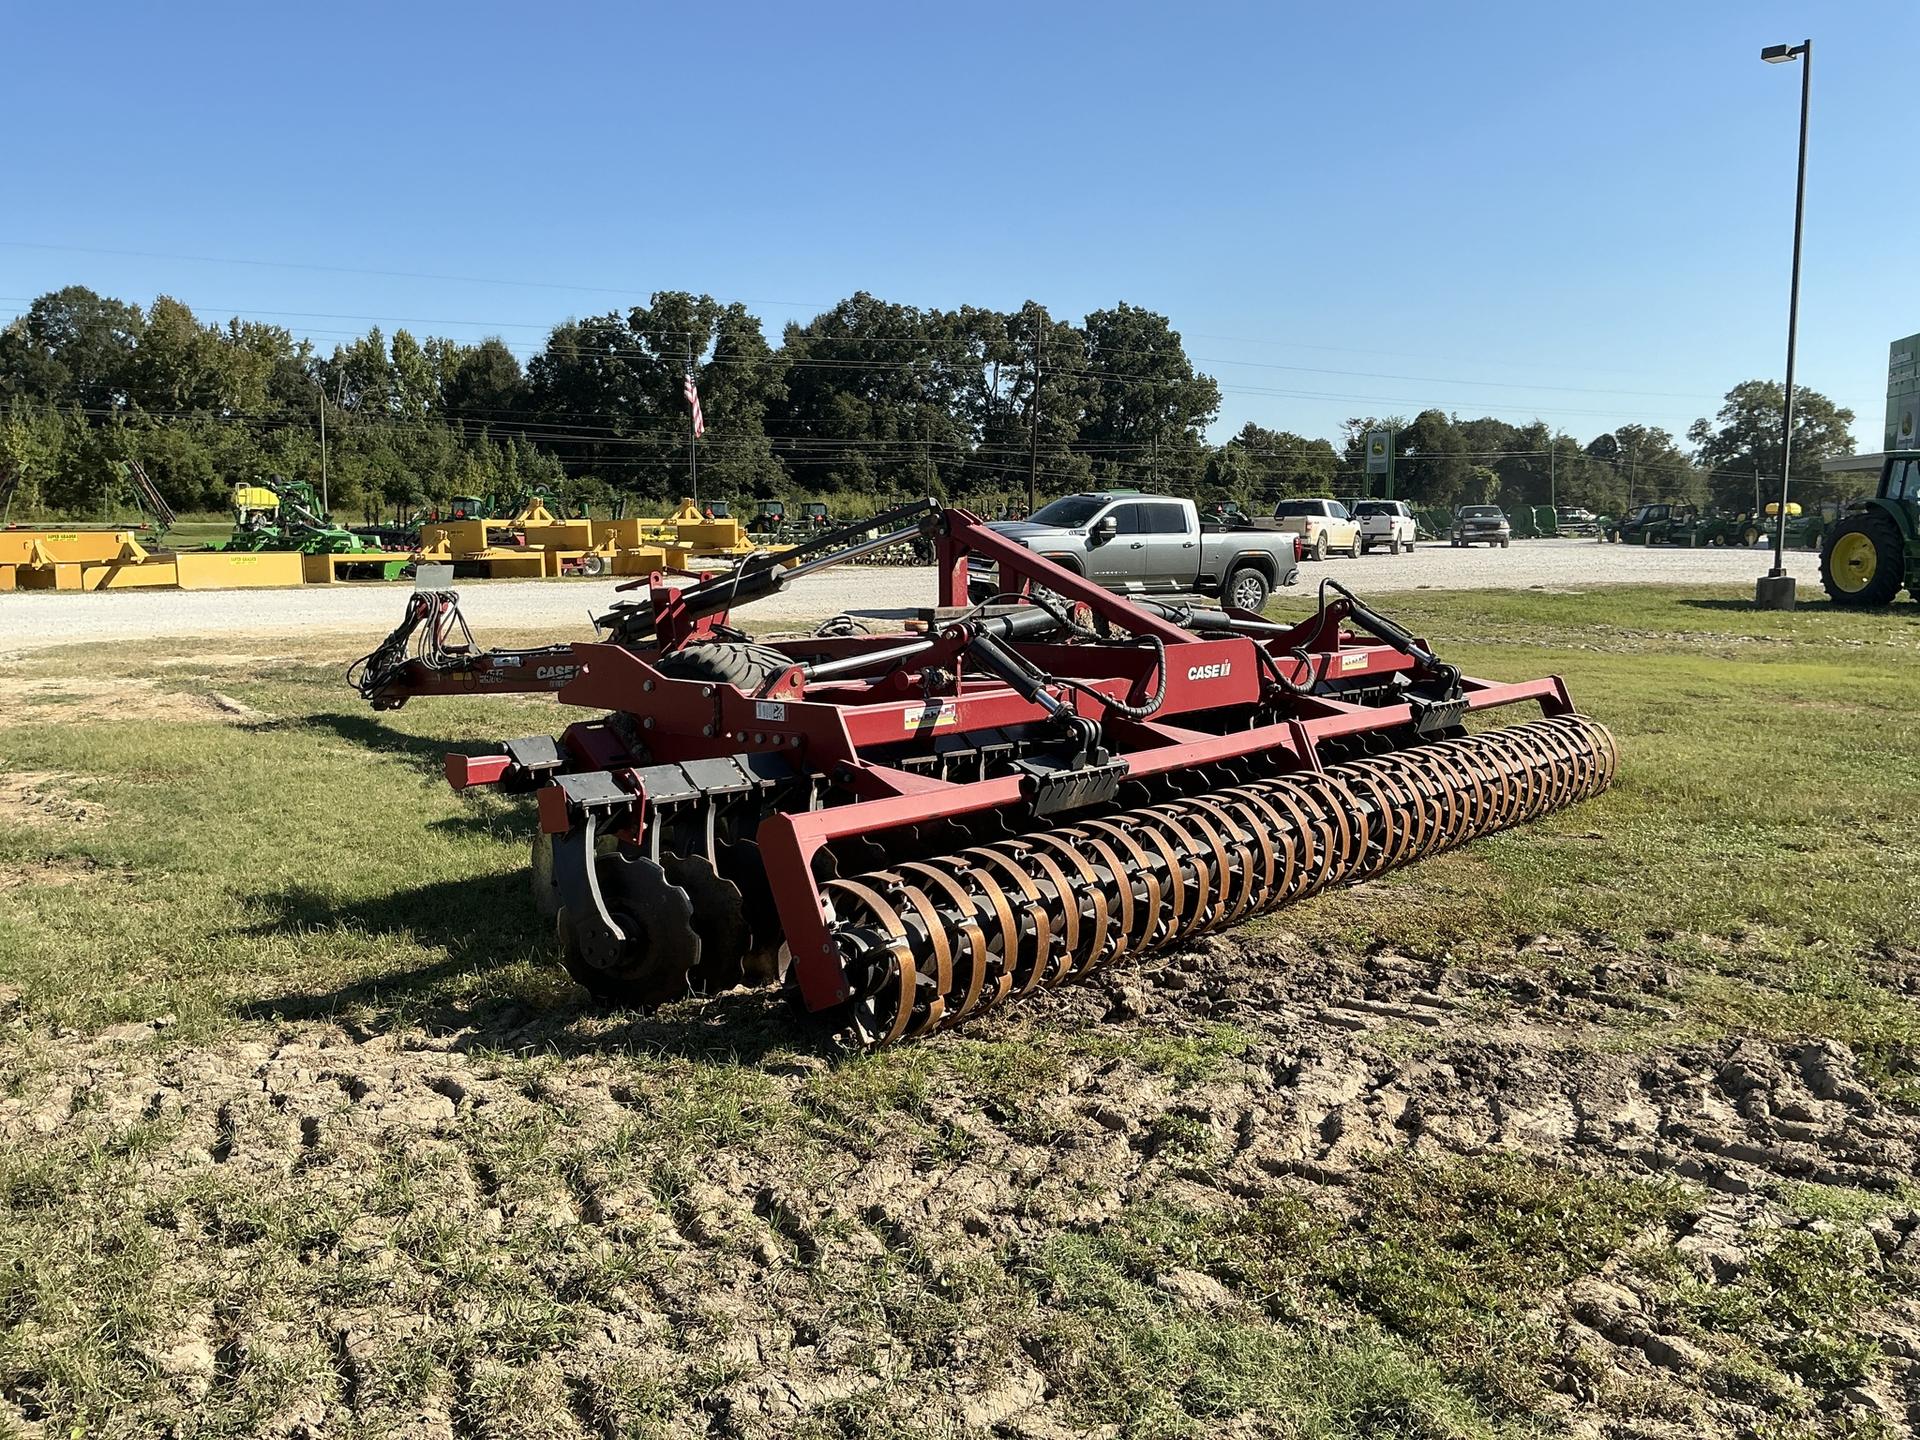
<point x="1553" y="484"/>
<point x="1033" y="423"/>
<point x="324" y="505"/>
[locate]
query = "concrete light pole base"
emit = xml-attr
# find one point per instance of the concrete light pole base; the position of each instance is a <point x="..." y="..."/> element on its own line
<point x="1773" y="592"/>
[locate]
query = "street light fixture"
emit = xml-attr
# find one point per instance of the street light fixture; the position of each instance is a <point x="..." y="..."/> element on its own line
<point x="1774" y="590"/>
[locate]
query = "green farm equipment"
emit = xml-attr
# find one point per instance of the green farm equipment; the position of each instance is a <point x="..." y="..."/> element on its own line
<point x="1682" y="525"/>
<point x="1873" y="550"/>
<point x="1575" y="520"/>
<point x="1804" y="531"/>
<point x="275" y="513"/>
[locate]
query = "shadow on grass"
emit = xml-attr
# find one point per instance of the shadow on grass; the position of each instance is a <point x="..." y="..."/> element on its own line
<point x="487" y="923"/>
<point x="370" y="733"/>
<point x="1816" y="602"/>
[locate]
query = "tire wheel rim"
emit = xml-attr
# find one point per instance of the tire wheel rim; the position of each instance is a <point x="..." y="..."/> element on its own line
<point x="1854" y="561"/>
<point x="1246" y="594"/>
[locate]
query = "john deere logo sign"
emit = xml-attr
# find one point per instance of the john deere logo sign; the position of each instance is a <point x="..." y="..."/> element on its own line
<point x="1903" y="393"/>
<point x="1378" y="449"/>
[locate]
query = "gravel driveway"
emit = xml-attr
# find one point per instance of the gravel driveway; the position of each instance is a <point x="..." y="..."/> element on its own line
<point x="30" y="620"/>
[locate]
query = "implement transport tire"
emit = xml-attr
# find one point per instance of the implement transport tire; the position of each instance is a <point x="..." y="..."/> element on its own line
<point x="1865" y="563"/>
<point x="725" y="662"/>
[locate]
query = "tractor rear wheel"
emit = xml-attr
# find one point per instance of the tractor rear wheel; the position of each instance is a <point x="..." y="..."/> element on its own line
<point x="1864" y="563"/>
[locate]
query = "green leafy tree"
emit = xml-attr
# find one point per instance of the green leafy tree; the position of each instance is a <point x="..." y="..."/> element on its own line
<point x="873" y="393"/>
<point x="1740" y="447"/>
<point x="1147" y="409"/>
<point x="1431" y="465"/>
<point x="1258" y="466"/>
<point x="72" y="347"/>
<point x="1647" y="466"/>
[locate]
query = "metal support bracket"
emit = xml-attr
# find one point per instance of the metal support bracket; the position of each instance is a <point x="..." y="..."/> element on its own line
<point x="1051" y="790"/>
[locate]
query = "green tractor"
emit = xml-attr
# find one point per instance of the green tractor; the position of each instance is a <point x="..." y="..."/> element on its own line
<point x="1873" y="550"/>
<point x="275" y="513"/>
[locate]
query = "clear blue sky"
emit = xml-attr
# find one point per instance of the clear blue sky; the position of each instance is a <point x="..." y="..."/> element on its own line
<point x="1580" y="212"/>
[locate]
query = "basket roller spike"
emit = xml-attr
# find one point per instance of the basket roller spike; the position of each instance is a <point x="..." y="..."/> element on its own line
<point x="938" y="945"/>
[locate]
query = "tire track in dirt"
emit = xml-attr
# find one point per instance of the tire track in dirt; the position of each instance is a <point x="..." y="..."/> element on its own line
<point x="624" y="1255"/>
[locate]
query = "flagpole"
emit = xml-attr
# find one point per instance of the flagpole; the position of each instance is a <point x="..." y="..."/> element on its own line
<point x="693" y="435"/>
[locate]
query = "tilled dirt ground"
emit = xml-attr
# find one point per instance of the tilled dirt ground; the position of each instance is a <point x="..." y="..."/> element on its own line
<point x="491" y="1220"/>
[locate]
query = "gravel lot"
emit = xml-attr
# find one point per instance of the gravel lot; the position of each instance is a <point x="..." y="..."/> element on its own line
<point x="34" y="620"/>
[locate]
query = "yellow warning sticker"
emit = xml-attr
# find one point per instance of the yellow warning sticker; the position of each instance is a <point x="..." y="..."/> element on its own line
<point x="934" y="715"/>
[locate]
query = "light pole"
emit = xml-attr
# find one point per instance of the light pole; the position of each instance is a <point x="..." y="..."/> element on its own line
<point x="1774" y="590"/>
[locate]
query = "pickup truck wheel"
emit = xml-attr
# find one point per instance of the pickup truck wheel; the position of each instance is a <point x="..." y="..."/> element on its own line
<point x="1354" y="550"/>
<point x="1393" y="546"/>
<point x="1505" y="544"/>
<point x="1247" y="589"/>
<point x="1320" y="546"/>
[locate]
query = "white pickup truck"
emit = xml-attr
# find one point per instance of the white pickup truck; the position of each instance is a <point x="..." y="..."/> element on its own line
<point x="1386" y="525"/>
<point x="1322" y="525"/>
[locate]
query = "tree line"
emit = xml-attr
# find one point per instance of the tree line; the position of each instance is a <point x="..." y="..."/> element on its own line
<point x="866" y="401"/>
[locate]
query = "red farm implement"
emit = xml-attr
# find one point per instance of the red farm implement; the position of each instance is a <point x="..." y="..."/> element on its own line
<point x="908" y="828"/>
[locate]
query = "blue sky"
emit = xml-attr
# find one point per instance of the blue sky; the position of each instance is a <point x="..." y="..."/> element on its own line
<point x="1580" y="212"/>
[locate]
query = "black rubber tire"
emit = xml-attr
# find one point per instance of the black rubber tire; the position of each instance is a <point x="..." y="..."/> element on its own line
<point x="1356" y="550"/>
<point x="1320" y="546"/>
<point x="726" y="662"/>
<point x="1889" y="561"/>
<point x="1245" y="575"/>
<point x="1393" y="545"/>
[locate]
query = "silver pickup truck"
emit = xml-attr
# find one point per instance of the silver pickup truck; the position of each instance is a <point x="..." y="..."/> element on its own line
<point x="1146" y="544"/>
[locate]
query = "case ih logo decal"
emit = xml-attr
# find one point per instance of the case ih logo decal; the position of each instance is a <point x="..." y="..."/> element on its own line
<point x="1217" y="671"/>
<point x="555" y="672"/>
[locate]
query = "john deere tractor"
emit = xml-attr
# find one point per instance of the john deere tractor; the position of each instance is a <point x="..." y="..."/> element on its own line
<point x="1874" y="550"/>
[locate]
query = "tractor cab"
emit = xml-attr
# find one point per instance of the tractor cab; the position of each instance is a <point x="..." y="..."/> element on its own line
<point x="1873" y="549"/>
<point x="814" y="513"/>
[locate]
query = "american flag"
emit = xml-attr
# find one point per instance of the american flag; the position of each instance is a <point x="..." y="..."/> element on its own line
<point x="693" y="399"/>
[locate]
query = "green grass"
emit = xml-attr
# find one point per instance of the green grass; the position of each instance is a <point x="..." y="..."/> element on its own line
<point x="1757" y="866"/>
<point x="1760" y="838"/>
